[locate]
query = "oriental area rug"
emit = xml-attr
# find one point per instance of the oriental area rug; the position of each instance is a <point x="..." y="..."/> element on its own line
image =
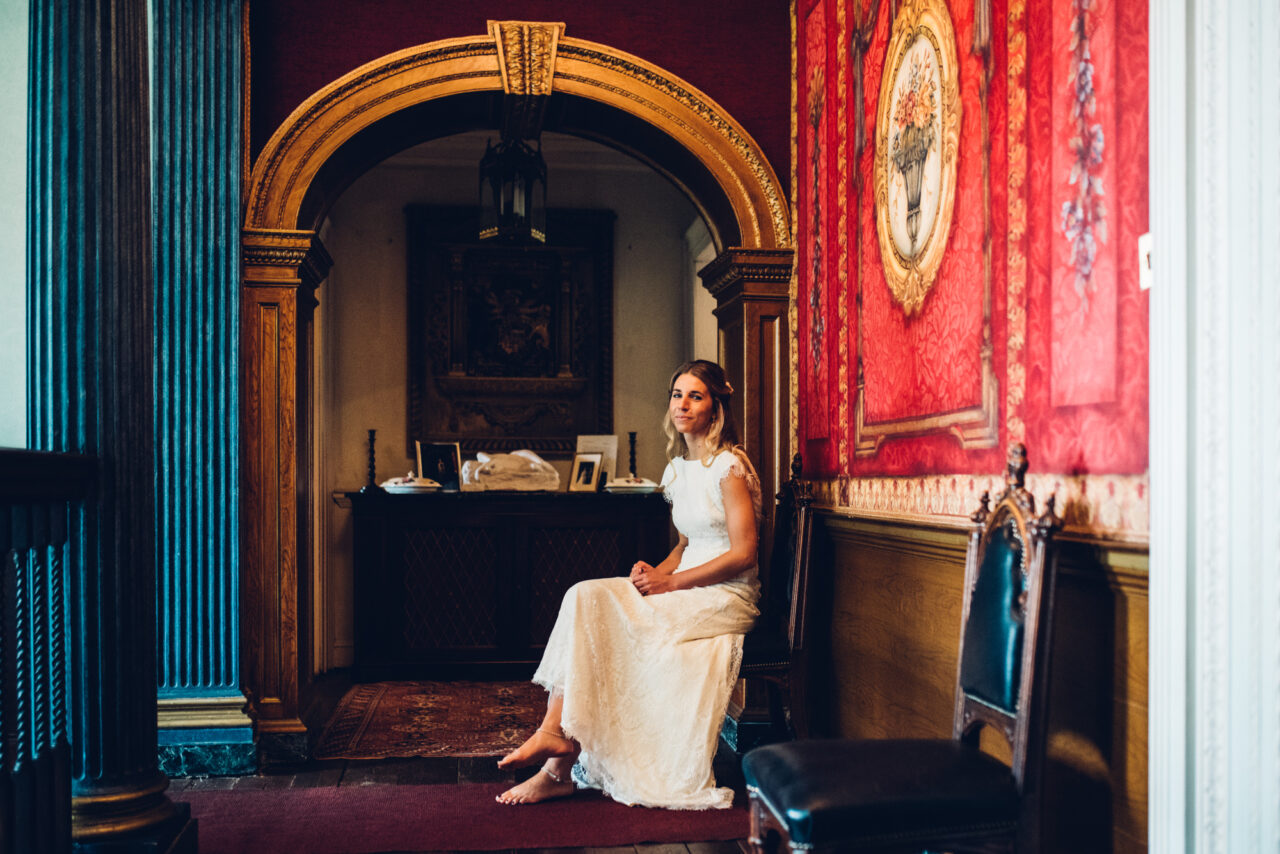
<point x="384" y="720"/>
<point x="380" y="818"/>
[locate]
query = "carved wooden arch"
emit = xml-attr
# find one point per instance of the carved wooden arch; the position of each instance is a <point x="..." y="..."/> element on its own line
<point x="325" y="144"/>
<point x="297" y="152"/>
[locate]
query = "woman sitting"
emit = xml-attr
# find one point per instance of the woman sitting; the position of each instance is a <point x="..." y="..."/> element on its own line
<point x="639" y="669"/>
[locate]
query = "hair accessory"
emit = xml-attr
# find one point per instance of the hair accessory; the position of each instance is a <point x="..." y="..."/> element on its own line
<point x="728" y="387"/>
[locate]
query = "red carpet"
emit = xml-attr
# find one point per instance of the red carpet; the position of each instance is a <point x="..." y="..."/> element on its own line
<point x="363" y="819"/>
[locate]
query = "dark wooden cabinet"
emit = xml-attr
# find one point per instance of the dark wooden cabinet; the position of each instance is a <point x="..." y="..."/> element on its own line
<point x="468" y="585"/>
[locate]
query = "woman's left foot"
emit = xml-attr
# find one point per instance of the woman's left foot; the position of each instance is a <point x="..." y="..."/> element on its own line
<point x="540" y="787"/>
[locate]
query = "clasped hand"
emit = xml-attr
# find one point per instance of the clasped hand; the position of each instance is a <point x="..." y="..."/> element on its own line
<point x="649" y="580"/>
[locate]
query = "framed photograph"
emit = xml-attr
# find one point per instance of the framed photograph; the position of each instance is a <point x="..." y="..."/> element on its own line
<point x="442" y="462"/>
<point x="607" y="447"/>
<point x="586" y="472"/>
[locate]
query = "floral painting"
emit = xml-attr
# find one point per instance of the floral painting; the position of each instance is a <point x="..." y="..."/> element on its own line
<point x="1086" y="343"/>
<point x="917" y="139"/>
<point x="913" y="189"/>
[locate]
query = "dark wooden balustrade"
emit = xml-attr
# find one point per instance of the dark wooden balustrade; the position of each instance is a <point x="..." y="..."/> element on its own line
<point x="38" y="493"/>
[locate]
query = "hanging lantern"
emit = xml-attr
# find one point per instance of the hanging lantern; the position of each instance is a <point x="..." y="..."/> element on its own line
<point x="513" y="192"/>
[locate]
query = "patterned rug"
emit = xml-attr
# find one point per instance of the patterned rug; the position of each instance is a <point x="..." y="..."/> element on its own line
<point x="382" y="720"/>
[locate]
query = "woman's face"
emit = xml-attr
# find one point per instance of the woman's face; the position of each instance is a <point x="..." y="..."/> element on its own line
<point x="691" y="406"/>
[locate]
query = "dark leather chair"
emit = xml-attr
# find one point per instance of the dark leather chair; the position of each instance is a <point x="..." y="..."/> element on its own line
<point x="774" y="651"/>
<point x="939" y="794"/>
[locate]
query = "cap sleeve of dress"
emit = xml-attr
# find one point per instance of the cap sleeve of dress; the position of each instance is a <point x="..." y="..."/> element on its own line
<point x="734" y="463"/>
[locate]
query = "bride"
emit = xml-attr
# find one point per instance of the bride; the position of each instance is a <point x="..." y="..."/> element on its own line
<point x="639" y="669"/>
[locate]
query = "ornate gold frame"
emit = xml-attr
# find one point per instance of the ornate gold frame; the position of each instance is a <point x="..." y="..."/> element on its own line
<point x="973" y="426"/>
<point x="909" y="279"/>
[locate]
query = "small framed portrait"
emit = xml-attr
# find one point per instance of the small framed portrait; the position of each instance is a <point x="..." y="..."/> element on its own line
<point x="442" y="462"/>
<point x="608" y="448"/>
<point x="586" y="472"/>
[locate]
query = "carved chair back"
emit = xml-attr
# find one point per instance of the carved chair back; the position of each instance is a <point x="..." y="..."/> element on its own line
<point x="782" y="599"/>
<point x="1009" y="581"/>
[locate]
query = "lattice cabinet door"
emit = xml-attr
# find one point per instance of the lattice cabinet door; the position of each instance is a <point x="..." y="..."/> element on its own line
<point x="468" y="585"/>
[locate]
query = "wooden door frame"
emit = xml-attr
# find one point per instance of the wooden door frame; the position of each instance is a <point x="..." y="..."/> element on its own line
<point x="330" y="140"/>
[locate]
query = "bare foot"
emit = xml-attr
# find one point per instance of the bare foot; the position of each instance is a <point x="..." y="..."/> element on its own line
<point x="540" y="746"/>
<point x="539" y="787"/>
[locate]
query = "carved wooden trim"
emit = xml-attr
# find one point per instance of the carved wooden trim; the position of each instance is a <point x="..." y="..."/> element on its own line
<point x="328" y="119"/>
<point x="793" y="285"/>
<point x="526" y="55"/>
<point x="1015" y="238"/>
<point x="751" y="288"/>
<point x="269" y="594"/>
<point x="281" y="268"/>
<point x="731" y="269"/>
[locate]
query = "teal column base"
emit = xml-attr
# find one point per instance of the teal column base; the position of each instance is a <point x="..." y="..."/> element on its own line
<point x="175" y="836"/>
<point x="205" y="736"/>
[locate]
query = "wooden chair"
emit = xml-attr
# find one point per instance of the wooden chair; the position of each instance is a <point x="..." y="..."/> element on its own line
<point x="774" y="651"/>
<point x="939" y="794"/>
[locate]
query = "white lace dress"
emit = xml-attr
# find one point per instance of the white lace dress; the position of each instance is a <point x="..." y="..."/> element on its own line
<point x="646" y="679"/>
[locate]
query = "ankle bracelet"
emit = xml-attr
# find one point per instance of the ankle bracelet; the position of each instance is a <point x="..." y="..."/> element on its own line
<point x="560" y="734"/>
<point x="553" y="775"/>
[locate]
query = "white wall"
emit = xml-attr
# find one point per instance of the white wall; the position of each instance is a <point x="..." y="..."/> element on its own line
<point x="13" y="223"/>
<point x="704" y="335"/>
<point x="362" y="336"/>
<point x="1215" y="447"/>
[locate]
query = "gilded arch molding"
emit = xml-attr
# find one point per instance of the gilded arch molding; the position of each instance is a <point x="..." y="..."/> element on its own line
<point x="304" y="143"/>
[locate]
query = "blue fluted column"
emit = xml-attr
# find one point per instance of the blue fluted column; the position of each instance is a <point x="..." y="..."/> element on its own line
<point x="196" y="111"/>
<point x="89" y="304"/>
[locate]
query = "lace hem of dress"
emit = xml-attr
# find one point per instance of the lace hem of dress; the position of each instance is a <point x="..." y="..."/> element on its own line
<point x="599" y="778"/>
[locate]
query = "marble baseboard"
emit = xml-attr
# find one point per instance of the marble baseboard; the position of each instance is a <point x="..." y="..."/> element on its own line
<point x="208" y="760"/>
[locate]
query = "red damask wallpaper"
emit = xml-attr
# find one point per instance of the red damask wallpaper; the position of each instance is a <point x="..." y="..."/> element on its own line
<point x="1049" y="305"/>
<point x="816" y="171"/>
<point x="1087" y="378"/>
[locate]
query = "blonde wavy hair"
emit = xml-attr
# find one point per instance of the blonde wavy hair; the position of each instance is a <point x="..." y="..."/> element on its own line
<point x="722" y="434"/>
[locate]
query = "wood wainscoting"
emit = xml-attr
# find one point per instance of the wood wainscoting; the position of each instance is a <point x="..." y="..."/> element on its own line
<point x="894" y="642"/>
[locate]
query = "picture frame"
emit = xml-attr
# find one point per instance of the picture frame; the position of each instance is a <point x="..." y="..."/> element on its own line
<point x="585" y="474"/>
<point x="442" y="462"/>
<point x="607" y="447"/>
<point x="917" y="144"/>
<point x="515" y="358"/>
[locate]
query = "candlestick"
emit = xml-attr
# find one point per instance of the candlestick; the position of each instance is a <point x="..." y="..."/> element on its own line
<point x="371" y="482"/>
